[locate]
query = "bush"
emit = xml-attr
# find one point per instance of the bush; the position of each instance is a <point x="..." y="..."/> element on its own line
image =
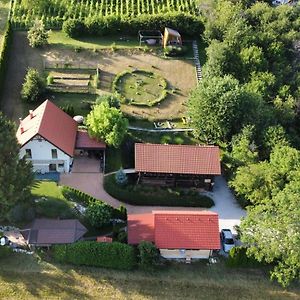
<point x="50" y="80"/>
<point x="75" y="195"/>
<point x="21" y="213"/>
<point x="5" y="251"/>
<point x="148" y="195"/>
<point x="175" y="50"/>
<point x="33" y="86"/>
<point x="98" y="214"/>
<point x="108" y="255"/>
<point x="238" y="258"/>
<point x="37" y="35"/>
<point x="148" y="255"/>
<point x="73" y="28"/>
<point x="121" y="177"/>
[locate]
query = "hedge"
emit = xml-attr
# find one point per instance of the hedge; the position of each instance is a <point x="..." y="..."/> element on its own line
<point x="7" y="39"/>
<point x="107" y="255"/>
<point x="75" y="195"/>
<point x="238" y="258"/>
<point x="147" y="195"/>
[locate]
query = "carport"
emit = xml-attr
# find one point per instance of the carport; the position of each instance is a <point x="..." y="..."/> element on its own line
<point x="86" y="146"/>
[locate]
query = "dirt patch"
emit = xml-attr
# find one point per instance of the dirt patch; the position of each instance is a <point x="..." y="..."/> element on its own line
<point x="180" y="74"/>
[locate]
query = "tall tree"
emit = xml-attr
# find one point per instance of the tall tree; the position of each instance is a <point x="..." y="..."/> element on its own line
<point x="107" y="123"/>
<point x="16" y="176"/>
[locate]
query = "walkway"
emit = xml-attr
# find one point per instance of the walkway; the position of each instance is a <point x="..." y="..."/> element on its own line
<point x="160" y="130"/>
<point x="225" y="203"/>
<point x="197" y="61"/>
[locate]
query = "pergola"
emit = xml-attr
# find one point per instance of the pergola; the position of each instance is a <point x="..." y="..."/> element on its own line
<point x="150" y="37"/>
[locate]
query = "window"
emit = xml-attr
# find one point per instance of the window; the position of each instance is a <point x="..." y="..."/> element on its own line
<point x="54" y="153"/>
<point x="61" y="165"/>
<point x="28" y="153"/>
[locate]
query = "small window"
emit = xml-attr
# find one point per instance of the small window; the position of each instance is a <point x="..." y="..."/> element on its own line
<point x="28" y="153"/>
<point x="54" y="153"/>
<point x="61" y="165"/>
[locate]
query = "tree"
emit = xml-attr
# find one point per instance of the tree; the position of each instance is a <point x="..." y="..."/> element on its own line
<point x="16" y="177"/>
<point x="272" y="231"/>
<point x="107" y="123"/>
<point x="121" y="177"/>
<point x="112" y="100"/>
<point x="98" y="214"/>
<point x="33" y="86"/>
<point x="219" y="107"/>
<point x="38" y="35"/>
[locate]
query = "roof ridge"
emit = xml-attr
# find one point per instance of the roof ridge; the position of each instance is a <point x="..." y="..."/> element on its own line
<point x="39" y="123"/>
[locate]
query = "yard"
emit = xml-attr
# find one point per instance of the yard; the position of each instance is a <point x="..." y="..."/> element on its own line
<point x="27" y="277"/>
<point x="179" y="73"/>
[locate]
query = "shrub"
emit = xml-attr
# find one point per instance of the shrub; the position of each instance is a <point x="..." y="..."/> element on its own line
<point x="175" y="50"/>
<point x="148" y="254"/>
<point x="238" y="258"/>
<point x="21" y="213"/>
<point x="5" y="251"/>
<point x="147" y="195"/>
<point x="50" y="80"/>
<point x="121" y="177"/>
<point x="38" y="35"/>
<point x="73" y="28"/>
<point x="33" y="86"/>
<point x="98" y="214"/>
<point x="108" y="255"/>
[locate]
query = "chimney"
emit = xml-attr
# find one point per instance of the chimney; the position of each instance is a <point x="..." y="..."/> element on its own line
<point x="31" y="113"/>
<point x="21" y="126"/>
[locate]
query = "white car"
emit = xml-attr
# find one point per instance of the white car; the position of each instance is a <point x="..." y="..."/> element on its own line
<point x="227" y="240"/>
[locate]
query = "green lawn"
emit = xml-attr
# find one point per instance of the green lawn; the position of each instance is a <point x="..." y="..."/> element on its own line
<point x="27" y="277"/>
<point x="107" y="42"/>
<point x="52" y="203"/>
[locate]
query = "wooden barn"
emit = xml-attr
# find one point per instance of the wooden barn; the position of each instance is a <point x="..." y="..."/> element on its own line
<point x="177" y="165"/>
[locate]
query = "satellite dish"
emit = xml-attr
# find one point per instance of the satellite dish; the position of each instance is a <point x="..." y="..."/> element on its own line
<point x="3" y="241"/>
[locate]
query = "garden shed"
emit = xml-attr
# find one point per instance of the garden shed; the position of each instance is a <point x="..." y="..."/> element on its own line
<point x="171" y="37"/>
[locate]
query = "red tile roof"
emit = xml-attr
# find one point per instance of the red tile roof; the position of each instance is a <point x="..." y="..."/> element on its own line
<point x="180" y="159"/>
<point x="140" y="228"/>
<point x="176" y="229"/>
<point x="181" y="230"/>
<point x="84" y="141"/>
<point x="52" y="124"/>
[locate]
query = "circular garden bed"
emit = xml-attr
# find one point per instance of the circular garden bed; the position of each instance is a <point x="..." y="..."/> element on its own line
<point x="140" y="87"/>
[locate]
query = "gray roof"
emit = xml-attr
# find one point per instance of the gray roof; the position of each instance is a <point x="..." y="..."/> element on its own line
<point x="51" y="231"/>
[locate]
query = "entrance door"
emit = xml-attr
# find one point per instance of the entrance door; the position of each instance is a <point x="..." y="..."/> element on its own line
<point x="52" y="167"/>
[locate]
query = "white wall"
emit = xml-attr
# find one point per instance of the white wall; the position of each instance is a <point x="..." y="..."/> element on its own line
<point x="42" y="156"/>
<point x="179" y="254"/>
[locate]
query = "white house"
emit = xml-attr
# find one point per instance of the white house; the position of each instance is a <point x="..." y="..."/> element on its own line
<point x="48" y="138"/>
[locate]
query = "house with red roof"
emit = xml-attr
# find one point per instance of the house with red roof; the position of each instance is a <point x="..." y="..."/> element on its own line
<point x="176" y="165"/>
<point x="49" y="138"/>
<point x="177" y="234"/>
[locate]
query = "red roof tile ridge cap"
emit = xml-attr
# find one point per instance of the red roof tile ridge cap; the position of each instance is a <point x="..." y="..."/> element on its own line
<point x="184" y="212"/>
<point x="175" y="145"/>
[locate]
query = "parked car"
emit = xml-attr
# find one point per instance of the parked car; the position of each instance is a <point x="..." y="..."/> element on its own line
<point x="227" y="240"/>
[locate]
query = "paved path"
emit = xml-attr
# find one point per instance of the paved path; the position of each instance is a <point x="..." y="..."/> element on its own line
<point x="197" y="61"/>
<point x="160" y="130"/>
<point x="225" y="204"/>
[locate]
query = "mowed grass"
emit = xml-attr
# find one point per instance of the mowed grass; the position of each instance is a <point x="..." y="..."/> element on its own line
<point x="57" y="37"/>
<point x="51" y="202"/>
<point x="27" y="277"/>
<point x="4" y="9"/>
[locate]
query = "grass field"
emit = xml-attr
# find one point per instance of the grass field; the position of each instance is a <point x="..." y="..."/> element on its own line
<point x="26" y="277"/>
<point x="58" y="37"/>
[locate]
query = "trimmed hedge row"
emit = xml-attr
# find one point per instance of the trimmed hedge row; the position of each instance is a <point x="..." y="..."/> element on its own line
<point x="187" y="24"/>
<point x="4" y="54"/>
<point x="146" y="195"/>
<point x="75" y="195"/>
<point x="107" y="255"/>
